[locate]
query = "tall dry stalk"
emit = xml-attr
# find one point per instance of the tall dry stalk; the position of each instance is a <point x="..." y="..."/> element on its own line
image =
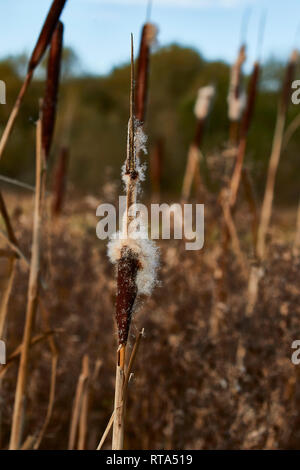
<point x="202" y="108"/>
<point x="36" y="56"/>
<point x="32" y="299"/>
<point x="76" y="419"/>
<point x="257" y="272"/>
<point x="266" y="210"/>
<point x="136" y="259"/>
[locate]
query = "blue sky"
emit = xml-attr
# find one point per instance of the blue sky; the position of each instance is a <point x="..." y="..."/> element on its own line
<point x="99" y="30"/>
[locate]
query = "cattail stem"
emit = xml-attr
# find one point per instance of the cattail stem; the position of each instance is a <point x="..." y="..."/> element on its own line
<point x="33" y="287"/>
<point x="275" y="157"/>
<point x="118" y="427"/>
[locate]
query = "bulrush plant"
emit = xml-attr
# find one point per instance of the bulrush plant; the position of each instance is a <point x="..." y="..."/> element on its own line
<point x="236" y="97"/>
<point x="52" y="85"/>
<point x="266" y="211"/>
<point x="149" y="33"/>
<point x="60" y="179"/>
<point x="202" y="108"/>
<point x="135" y="256"/>
<point x="36" y="56"/>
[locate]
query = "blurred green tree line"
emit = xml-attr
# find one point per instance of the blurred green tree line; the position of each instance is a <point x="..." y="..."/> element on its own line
<point x="93" y="113"/>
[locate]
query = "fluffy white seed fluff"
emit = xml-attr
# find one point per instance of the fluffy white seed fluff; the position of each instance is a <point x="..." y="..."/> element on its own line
<point x="204" y="100"/>
<point x="134" y="236"/>
<point x="140" y="140"/>
<point x="145" y="249"/>
<point x="236" y="106"/>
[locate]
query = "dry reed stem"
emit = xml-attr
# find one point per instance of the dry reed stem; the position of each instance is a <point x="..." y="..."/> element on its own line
<point x="118" y="424"/>
<point x="54" y="362"/>
<point x="250" y="196"/>
<point x="38" y="52"/>
<point x="6" y="295"/>
<point x="126" y="382"/>
<point x="233" y="235"/>
<point x="52" y="85"/>
<point x="12" y="267"/>
<point x="83" y="419"/>
<point x="266" y="210"/>
<point x="190" y="172"/>
<point x="17" y="352"/>
<point x="33" y="287"/>
<point x="77" y="404"/>
<point x="28" y="443"/>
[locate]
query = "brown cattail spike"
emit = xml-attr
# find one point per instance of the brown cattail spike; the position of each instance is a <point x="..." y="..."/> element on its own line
<point x="127" y="291"/>
<point x="252" y="90"/>
<point x="50" y="100"/>
<point x="46" y="33"/>
<point x="60" y="181"/>
<point x="148" y="36"/>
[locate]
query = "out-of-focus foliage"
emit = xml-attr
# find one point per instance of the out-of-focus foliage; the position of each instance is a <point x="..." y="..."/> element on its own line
<point x="99" y="110"/>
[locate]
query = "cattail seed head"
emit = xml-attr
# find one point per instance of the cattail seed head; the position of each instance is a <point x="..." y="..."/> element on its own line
<point x="46" y="33"/>
<point x="204" y="101"/>
<point x="52" y="85"/>
<point x="148" y="37"/>
<point x="127" y="291"/>
<point x="236" y="96"/>
<point x="60" y="181"/>
<point x="252" y="91"/>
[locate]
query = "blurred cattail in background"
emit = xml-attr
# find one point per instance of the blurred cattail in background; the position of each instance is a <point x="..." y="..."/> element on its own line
<point x="236" y="96"/>
<point x="266" y="210"/>
<point x="60" y="179"/>
<point x="36" y="56"/>
<point x="202" y="108"/>
<point x="156" y="168"/>
<point x="52" y="85"/>
<point x="149" y="33"/>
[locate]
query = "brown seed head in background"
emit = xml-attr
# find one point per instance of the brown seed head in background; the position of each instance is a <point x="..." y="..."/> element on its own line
<point x="46" y="33"/>
<point x="52" y="85"/>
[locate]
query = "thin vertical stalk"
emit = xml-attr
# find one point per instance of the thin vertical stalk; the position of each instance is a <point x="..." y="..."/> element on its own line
<point x="266" y="210"/>
<point x="32" y="299"/>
